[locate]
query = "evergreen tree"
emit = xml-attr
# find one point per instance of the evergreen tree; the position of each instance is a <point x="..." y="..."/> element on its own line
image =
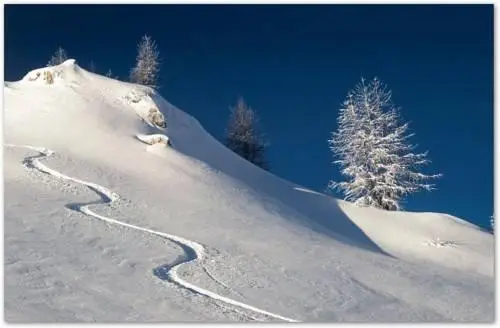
<point x="371" y="147"/>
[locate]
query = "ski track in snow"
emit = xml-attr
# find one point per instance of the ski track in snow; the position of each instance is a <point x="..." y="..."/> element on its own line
<point x="194" y="251"/>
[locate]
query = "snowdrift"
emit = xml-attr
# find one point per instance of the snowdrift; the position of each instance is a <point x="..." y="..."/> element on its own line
<point x="250" y="245"/>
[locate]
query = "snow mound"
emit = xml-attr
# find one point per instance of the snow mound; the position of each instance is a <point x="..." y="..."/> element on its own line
<point x="68" y="71"/>
<point x="274" y="250"/>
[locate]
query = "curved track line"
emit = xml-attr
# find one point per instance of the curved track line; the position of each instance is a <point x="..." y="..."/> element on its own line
<point x="194" y="251"/>
<point x="220" y="282"/>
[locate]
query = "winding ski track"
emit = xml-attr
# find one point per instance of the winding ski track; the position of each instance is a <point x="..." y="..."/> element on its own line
<point x="194" y="251"/>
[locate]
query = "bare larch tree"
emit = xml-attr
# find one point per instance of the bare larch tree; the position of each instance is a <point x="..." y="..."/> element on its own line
<point x="243" y="137"/>
<point x="147" y="65"/>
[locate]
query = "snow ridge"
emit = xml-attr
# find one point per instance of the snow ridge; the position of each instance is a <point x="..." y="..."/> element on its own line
<point x="194" y="250"/>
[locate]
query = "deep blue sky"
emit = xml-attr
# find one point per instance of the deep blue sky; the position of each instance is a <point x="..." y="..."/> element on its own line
<point x="294" y="66"/>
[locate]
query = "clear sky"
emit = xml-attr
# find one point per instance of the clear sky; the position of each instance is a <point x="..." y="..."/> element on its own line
<point x="294" y="66"/>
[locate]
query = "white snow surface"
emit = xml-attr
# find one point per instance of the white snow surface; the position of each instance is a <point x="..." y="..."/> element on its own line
<point x="106" y="222"/>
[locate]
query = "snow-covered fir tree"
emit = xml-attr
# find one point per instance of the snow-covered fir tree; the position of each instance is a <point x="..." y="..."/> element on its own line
<point x="58" y="57"/>
<point x="147" y="65"/>
<point x="242" y="135"/>
<point x="372" y="149"/>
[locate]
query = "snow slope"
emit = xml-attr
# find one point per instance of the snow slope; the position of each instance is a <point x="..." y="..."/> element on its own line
<point x="104" y="221"/>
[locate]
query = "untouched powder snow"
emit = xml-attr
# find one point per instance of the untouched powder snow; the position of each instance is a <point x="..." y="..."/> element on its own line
<point x="121" y="207"/>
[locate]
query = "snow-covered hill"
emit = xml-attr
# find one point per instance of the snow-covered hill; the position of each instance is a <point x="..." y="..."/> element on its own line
<point x="104" y="221"/>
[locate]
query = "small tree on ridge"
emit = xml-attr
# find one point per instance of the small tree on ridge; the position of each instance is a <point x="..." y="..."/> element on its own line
<point x="58" y="57"/>
<point x="147" y="65"/>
